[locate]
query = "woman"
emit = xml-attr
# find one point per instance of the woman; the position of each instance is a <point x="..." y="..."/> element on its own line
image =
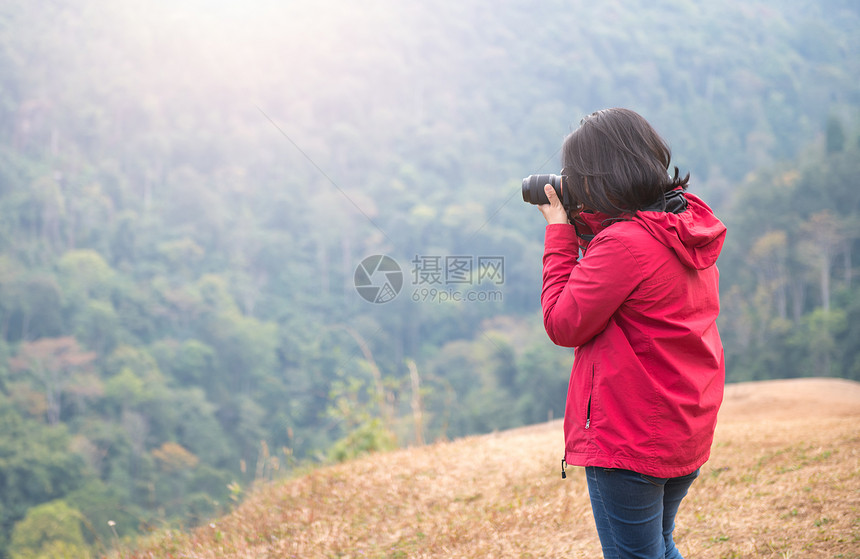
<point x="630" y="281"/>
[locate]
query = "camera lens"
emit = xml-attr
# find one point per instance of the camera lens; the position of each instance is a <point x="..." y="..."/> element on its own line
<point x="533" y="192"/>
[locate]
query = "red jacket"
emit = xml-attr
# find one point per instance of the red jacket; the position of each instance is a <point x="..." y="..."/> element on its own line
<point x="640" y="308"/>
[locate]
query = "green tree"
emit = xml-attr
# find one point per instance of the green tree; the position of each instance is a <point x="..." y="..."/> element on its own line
<point x="36" y="466"/>
<point x="542" y="378"/>
<point x="817" y="338"/>
<point x="85" y="274"/>
<point x="52" y="530"/>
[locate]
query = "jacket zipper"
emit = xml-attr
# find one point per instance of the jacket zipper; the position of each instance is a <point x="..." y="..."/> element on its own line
<point x="587" y="420"/>
<point x="588" y="407"/>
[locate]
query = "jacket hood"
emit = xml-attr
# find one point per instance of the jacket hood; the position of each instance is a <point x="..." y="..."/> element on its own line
<point x="696" y="235"/>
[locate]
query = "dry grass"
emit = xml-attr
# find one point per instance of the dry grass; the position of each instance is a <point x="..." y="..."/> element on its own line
<point x="783" y="481"/>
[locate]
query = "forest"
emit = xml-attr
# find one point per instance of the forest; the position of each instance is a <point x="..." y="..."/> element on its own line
<point x="241" y="239"/>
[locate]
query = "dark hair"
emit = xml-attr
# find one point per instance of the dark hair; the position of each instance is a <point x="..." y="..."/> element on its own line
<point x="616" y="163"/>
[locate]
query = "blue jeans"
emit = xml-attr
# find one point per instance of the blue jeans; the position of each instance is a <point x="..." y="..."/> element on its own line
<point x="635" y="513"/>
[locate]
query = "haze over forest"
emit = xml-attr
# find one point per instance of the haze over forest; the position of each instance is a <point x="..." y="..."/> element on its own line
<point x="188" y="188"/>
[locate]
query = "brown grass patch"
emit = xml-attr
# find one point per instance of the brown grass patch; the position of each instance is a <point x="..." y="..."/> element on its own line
<point x="783" y="481"/>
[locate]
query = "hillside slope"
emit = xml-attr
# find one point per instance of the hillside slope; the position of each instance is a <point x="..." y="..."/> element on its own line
<point x="782" y="481"/>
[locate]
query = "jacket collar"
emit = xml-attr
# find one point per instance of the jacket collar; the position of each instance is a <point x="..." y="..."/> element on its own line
<point x="590" y="223"/>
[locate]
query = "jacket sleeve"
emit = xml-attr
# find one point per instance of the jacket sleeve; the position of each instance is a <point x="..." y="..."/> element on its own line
<point x="580" y="295"/>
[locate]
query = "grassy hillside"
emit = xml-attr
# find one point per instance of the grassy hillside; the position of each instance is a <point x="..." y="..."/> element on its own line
<point x="782" y="481"/>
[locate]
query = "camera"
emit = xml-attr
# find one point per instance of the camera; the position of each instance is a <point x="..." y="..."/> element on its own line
<point x="533" y="192"/>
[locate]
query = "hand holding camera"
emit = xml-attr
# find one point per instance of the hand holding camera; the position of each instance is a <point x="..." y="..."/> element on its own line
<point x="547" y="193"/>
